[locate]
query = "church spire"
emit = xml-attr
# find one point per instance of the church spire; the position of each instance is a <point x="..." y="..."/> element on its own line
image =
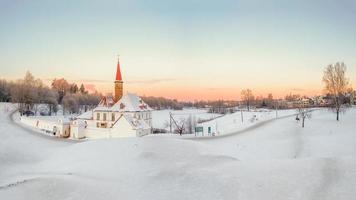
<point x="119" y="84"/>
<point x="118" y="70"/>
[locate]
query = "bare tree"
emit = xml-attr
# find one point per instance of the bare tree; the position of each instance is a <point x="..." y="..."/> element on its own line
<point x="180" y="126"/>
<point x="24" y="92"/>
<point x="61" y="86"/>
<point x="5" y="94"/>
<point x="70" y="103"/>
<point x="247" y="97"/>
<point x="303" y="113"/>
<point x="336" y="85"/>
<point x="50" y="98"/>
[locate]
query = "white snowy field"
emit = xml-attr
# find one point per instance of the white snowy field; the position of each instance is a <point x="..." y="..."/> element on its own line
<point x="161" y="117"/>
<point x="218" y="124"/>
<point x="231" y="123"/>
<point x="275" y="160"/>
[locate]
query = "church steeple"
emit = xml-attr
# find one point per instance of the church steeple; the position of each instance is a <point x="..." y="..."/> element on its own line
<point x="118" y="83"/>
<point x="118" y="70"/>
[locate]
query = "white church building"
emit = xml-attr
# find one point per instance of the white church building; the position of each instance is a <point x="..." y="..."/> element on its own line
<point x="122" y="116"/>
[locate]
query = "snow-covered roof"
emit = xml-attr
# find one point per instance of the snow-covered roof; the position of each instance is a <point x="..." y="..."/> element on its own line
<point x="130" y="103"/>
<point x="86" y="115"/>
<point x="107" y="101"/>
<point x="102" y="108"/>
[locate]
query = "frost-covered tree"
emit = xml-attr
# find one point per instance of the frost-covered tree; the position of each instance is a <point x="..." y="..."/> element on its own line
<point x="51" y="99"/>
<point x="336" y="85"/>
<point x="5" y="94"/>
<point x="73" y="88"/>
<point x="247" y="97"/>
<point x="82" y="89"/>
<point x="70" y="103"/>
<point x="61" y="86"/>
<point x="303" y="113"/>
<point x="24" y="92"/>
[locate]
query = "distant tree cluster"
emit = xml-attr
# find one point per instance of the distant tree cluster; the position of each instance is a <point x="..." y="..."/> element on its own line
<point x="209" y="104"/>
<point x="248" y="100"/>
<point x="160" y="103"/>
<point x="218" y="107"/>
<point x="292" y="97"/>
<point x="73" y="98"/>
<point x="29" y="92"/>
<point x="264" y="102"/>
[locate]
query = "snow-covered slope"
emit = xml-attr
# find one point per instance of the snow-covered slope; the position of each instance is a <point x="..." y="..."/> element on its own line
<point x="238" y="121"/>
<point x="278" y="160"/>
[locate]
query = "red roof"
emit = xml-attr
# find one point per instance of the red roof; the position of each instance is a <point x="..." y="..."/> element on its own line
<point x="118" y="72"/>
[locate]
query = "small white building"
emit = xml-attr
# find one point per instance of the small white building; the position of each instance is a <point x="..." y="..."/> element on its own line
<point x="119" y="116"/>
<point x="129" y="117"/>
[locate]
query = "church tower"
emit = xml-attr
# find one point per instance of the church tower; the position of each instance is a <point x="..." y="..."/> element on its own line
<point x="118" y="83"/>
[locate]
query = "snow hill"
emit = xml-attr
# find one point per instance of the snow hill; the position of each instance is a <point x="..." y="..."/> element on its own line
<point x="278" y="160"/>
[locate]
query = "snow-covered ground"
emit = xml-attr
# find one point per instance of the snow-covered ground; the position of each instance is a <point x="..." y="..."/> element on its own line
<point x="217" y="124"/>
<point x="231" y="123"/>
<point x="276" y="160"/>
<point x="160" y="118"/>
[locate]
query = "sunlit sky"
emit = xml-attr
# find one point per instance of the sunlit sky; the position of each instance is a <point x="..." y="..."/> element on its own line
<point x="187" y="50"/>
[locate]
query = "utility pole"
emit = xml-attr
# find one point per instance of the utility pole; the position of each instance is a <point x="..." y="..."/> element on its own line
<point x="190" y="124"/>
<point x="276" y="105"/>
<point x="242" y="116"/>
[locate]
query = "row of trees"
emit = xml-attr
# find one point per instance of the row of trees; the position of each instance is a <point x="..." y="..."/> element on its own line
<point x="249" y="100"/>
<point x="74" y="98"/>
<point x="160" y="103"/>
<point x="30" y="92"/>
<point x="218" y="106"/>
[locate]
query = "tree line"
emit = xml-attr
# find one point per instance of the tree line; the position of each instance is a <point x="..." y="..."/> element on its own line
<point x="30" y="92"/>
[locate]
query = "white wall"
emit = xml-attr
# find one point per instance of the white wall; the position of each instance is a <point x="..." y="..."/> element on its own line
<point x="121" y="129"/>
<point x="77" y="129"/>
<point x="47" y="126"/>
